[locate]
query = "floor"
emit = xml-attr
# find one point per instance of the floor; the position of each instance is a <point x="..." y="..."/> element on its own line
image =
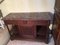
<point x="4" y="36"/>
<point x="4" y="40"/>
<point x="26" y="42"/>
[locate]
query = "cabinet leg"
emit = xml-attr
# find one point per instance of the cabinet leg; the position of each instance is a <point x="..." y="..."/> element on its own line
<point x="11" y="37"/>
<point x="47" y="36"/>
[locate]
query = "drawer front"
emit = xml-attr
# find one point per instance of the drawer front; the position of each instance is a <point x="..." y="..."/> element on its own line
<point x="41" y="22"/>
<point x="25" y="23"/>
<point x="11" y="22"/>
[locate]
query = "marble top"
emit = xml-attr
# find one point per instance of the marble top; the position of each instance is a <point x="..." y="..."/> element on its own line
<point x="29" y="16"/>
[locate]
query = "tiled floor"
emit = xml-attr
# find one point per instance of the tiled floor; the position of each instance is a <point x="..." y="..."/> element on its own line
<point x="24" y="42"/>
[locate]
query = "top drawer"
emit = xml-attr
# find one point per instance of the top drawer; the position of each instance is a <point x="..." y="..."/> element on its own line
<point x="10" y="22"/>
<point x="26" y="22"/>
<point x="42" y="22"/>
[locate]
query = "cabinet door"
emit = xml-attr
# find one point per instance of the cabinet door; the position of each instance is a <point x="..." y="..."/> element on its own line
<point x="27" y="31"/>
<point x="55" y="28"/>
<point x="58" y="39"/>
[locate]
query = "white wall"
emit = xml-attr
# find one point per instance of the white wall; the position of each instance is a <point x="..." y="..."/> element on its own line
<point x="4" y="7"/>
<point x="27" y="6"/>
<point x="51" y="4"/>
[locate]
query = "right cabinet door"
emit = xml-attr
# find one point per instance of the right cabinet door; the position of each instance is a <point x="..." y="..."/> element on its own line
<point x="56" y="28"/>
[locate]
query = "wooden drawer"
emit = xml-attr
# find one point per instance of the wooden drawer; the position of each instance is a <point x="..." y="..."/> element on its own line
<point x="11" y="22"/>
<point x="26" y="23"/>
<point x="42" y="22"/>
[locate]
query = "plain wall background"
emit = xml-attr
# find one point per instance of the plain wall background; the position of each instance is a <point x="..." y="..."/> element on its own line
<point x="9" y="6"/>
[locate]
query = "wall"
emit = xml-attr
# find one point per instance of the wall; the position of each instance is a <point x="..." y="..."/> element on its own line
<point x="27" y="6"/>
<point x="51" y="4"/>
<point x="4" y="7"/>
